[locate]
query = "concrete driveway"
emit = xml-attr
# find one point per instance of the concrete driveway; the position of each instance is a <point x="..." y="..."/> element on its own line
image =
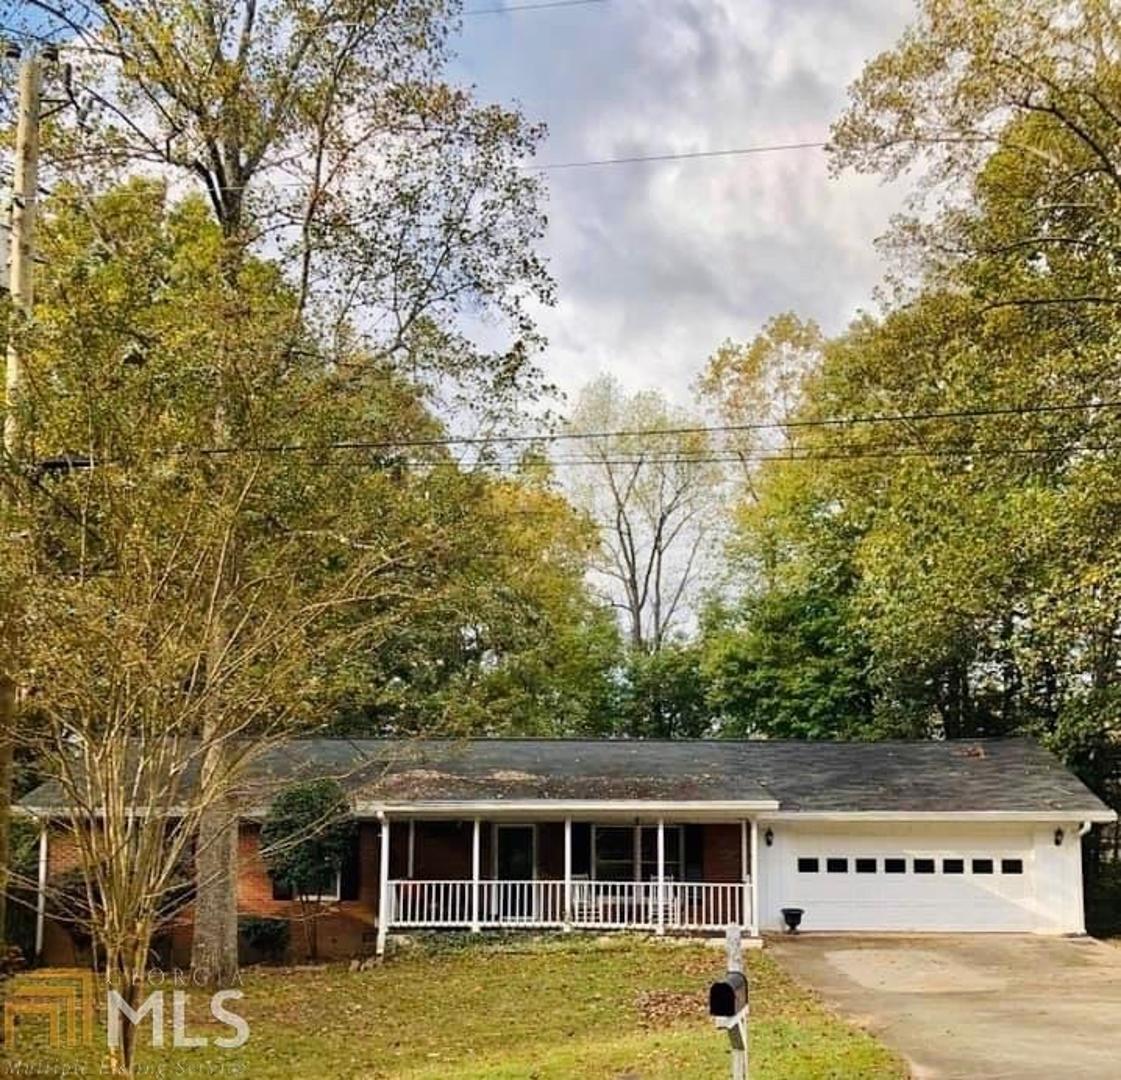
<point x="1028" y="1008"/>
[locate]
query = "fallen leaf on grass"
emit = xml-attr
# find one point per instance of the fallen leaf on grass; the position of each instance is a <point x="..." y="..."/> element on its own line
<point x="658" y="1008"/>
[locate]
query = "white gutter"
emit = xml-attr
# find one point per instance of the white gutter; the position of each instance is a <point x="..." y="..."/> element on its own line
<point x="564" y="807"/>
<point x="932" y="816"/>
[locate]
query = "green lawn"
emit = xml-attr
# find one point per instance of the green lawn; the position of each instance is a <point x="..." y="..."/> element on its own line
<point x="547" y="1009"/>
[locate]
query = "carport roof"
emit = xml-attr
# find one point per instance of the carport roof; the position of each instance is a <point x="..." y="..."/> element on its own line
<point x="979" y="776"/>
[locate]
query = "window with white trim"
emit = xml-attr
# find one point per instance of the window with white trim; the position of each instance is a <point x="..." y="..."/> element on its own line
<point x="330" y="889"/>
<point x="613" y="857"/>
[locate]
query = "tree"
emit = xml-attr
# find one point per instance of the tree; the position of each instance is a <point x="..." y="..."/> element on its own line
<point x="516" y="645"/>
<point x="977" y="88"/>
<point x="755" y="389"/>
<point x="784" y="654"/>
<point x="662" y="695"/>
<point x="305" y="841"/>
<point x="125" y="543"/>
<point x="323" y="131"/>
<point x="651" y="488"/>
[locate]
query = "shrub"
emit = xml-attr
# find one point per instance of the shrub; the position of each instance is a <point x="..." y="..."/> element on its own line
<point x="263" y="938"/>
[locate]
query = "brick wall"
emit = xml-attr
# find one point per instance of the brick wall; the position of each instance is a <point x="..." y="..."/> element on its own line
<point x="442" y="850"/>
<point x="343" y="928"/>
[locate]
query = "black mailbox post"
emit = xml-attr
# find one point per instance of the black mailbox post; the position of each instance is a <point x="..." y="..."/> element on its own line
<point x="728" y="997"/>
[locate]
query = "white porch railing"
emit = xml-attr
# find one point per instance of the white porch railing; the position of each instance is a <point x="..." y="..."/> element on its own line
<point x="607" y="905"/>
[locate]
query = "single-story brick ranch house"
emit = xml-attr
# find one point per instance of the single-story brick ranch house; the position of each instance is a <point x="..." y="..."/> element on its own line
<point x="672" y="836"/>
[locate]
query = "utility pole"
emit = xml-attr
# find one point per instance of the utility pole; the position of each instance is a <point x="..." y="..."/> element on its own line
<point x="25" y="189"/>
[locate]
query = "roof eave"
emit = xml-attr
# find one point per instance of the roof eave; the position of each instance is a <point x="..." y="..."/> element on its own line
<point x="1100" y="816"/>
<point x="562" y="807"/>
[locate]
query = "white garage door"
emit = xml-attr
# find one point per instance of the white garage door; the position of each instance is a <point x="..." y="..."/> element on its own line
<point x="908" y="879"/>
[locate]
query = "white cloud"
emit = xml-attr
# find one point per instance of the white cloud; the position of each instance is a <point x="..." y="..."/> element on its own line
<point x="657" y="263"/>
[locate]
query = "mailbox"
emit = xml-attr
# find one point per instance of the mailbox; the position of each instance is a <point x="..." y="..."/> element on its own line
<point x="728" y="997"/>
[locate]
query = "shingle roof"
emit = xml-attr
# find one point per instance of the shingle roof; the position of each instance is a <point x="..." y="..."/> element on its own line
<point x="985" y="775"/>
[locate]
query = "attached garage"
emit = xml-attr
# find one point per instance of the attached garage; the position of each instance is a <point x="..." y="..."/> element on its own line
<point x="926" y="876"/>
<point x="914" y="837"/>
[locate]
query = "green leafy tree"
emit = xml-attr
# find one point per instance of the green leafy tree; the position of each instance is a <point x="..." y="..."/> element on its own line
<point x="662" y="695"/>
<point x="756" y="388"/>
<point x="1014" y="105"/>
<point x="391" y="202"/>
<point x="339" y="554"/>
<point x="517" y="643"/>
<point x="305" y="840"/>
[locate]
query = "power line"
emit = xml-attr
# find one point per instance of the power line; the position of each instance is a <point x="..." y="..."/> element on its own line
<point x="712" y="429"/>
<point x="801" y="454"/>
<point x="591" y="163"/>
<point x="531" y="7"/>
<point x="806" y="453"/>
<point x="81" y="463"/>
<point x="498" y="10"/>
<point x="686" y="156"/>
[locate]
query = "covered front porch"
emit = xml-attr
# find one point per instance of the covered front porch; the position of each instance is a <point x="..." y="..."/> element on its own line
<point x="613" y="872"/>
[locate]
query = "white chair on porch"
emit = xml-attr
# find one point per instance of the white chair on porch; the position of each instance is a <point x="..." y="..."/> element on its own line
<point x="585" y="909"/>
<point x="667" y="904"/>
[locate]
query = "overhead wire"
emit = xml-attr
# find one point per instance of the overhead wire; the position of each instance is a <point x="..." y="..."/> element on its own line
<point x="499" y="10"/>
<point x="687" y="155"/>
<point x="548" y="437"/>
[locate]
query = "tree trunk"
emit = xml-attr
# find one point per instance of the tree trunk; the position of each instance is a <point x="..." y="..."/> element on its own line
<point x="126" y="972"/>
<point x="214" y="947"/>
<point x="7" y="735"/>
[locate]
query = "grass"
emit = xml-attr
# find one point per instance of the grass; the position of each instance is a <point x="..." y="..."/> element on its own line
<point x="546" y="1009"/>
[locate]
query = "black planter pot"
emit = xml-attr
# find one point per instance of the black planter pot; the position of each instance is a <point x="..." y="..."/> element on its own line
<point x="792" y="916"/>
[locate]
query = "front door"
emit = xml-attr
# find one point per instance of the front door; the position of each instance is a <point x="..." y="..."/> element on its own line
<point x="515" y="871"/>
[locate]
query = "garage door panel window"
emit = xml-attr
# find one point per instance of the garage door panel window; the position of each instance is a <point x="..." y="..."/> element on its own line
<point x="952" y="865"/>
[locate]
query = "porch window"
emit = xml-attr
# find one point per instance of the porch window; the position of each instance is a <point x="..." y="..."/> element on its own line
<point x="615" y="853"/>
<point x="673" y="860"/>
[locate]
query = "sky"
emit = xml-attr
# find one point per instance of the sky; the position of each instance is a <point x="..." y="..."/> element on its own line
<point x="657" y="263"/>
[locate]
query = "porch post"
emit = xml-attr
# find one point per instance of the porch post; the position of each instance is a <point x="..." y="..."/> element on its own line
<point x="41" y="895"/>
<point x="567" y="874"/>
<point x="475" y="857"/>
<point x="746" y="897"/>
<point x="754" y="878"/>
<point x="661" y="876"/>
<point x="411" y="872"/>
<point x="753" y="893"/>
<point x="385" y="915"/>
<point x="636" y="914"/>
